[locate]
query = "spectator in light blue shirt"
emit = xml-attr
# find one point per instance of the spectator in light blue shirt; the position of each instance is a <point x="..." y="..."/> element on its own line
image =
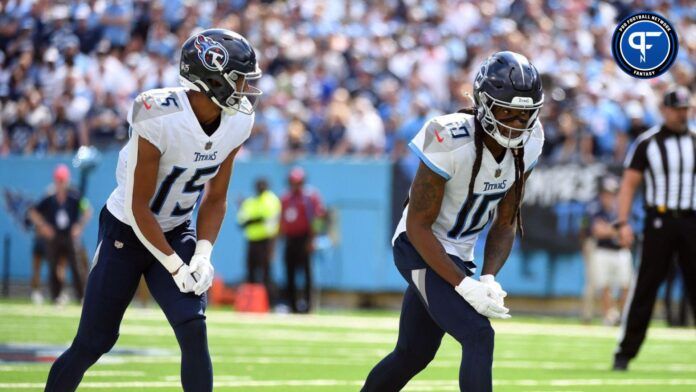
<point x="414" y="123"/>
<point x="173" y="11"/>
<point x="116" y="19"/>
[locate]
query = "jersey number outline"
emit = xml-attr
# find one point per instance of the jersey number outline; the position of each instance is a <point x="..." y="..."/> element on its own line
<point x="485" y="207"/>
<point x="190" y="187"/>
<point x="170" y="99"/>
<point x="458" y="129"/>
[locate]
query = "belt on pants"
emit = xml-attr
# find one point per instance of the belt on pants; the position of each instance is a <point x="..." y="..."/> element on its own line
<point x="657" y="211"/>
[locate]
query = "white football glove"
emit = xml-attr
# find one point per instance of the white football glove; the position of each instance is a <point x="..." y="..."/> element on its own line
<point x="184" y="279"/>
<point x="181" y="273"/>
<point x="201" y="267"/>
<point x="203" y="272"/>
<point x="489" y="280"/>
<point x="482" y="298"/>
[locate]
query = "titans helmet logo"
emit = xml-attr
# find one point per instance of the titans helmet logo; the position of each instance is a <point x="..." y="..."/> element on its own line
<point x="212" y="54"/>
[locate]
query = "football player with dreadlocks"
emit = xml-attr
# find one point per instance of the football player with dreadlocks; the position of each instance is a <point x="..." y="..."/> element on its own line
<point x="473" y="168"/>
<point x="182" y="141"/>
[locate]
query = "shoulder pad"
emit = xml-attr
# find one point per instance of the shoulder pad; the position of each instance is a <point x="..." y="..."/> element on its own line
<point x="450" y="131"/>
<point x="155" y="103"/>
<point x="538" y="131"/>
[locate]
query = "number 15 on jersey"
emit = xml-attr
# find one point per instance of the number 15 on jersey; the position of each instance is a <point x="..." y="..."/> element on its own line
<point x="191" y="186"/>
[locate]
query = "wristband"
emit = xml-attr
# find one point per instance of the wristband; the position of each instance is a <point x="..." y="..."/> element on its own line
<point x="619" y="224"/>
<point x="203" y="247"/>
<point x="487" y="278"/>
<point x="171" y="262"/>
<point x="464" y="285"/>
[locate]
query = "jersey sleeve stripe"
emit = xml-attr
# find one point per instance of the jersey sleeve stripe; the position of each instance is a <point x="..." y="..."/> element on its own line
<point x="428" y="162"/>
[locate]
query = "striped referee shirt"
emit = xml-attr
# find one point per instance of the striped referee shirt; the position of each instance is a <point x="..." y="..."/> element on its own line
<point x="666" y="160"/>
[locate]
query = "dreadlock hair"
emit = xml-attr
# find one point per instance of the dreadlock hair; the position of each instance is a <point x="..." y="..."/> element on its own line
<point x="518" y="155"/>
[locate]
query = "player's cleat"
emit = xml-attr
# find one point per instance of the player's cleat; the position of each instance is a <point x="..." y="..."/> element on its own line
<point x="62" y="299"/>
<point x="613" y="317"/>
<point x="282" y="309"/>
<point x="36" y="297"/>
<point x="620" y="364"/>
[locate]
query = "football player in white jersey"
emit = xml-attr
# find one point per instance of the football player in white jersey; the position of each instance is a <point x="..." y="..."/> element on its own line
<point x="183" y="142"/>
<point x="472" y="171"/>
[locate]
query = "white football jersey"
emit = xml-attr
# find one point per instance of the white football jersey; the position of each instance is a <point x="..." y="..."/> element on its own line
<point x="190" y="157"/>
<point x="446" y="145"/>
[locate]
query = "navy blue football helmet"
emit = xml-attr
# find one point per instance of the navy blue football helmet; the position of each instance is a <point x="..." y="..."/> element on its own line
<point x="220" y="63"/>
<point x="508" y="80"/>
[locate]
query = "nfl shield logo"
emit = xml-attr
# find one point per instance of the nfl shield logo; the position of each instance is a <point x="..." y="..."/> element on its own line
<point x="208" y="145"/>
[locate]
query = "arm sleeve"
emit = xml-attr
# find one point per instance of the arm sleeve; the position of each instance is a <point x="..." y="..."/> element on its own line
<point x="431" y="148"/>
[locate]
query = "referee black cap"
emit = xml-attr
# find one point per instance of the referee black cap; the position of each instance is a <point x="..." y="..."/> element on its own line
<point x="677" y="97"/>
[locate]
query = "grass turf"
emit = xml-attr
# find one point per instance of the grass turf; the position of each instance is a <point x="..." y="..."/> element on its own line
<point x="334" y="352"/>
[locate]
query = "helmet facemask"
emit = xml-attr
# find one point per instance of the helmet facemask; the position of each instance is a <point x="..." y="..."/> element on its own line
<point x="244" y="97"/>
<point x="506" y="135"/>
<point x="224" y="90"/>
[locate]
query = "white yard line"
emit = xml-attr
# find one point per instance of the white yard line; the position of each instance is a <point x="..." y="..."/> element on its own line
<point x="38" y="367"/>
<point x="116" y="373"/>
<point x="413" y="386"/>
<point x="220" y="317"/>
<point x="349" y="361"/>
<point x="597" y="382"/>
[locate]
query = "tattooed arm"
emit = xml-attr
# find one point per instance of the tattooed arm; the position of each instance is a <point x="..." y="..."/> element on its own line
<point x="426" y="195"/>
<point x="501" y="234"/>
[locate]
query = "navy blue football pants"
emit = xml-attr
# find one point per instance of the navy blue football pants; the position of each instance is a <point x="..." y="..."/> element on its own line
<point x="430" y="308"/>
<point x="120" y="261"/>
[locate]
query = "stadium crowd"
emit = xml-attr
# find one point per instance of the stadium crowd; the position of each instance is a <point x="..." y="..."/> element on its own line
<point x="340" y="77"/>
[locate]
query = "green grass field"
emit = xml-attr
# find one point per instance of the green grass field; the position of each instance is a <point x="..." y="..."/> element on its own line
<point x="334" y="352"/>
